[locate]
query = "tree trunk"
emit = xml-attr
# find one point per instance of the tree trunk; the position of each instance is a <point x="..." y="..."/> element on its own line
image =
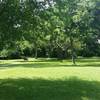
<point x="72" y="50"/>
<point x="48" y="52"/>
<point x="36" y="52"/>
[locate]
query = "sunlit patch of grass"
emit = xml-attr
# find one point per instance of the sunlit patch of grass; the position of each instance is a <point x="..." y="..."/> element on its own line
<point x="50" y="69"/>
<point x="50" y="79"/>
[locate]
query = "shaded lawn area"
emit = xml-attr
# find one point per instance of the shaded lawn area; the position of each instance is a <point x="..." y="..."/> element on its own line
<point x="44" y="79"/>
<point x="40" y="89"/>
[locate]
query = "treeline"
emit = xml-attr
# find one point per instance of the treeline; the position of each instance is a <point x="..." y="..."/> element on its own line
<point x="49" y="28"/>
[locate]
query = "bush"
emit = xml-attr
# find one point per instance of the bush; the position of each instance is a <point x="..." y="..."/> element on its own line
<point x="10" y="54"/>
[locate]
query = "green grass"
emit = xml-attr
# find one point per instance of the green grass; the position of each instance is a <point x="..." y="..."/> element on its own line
<point x="49" y="79"/>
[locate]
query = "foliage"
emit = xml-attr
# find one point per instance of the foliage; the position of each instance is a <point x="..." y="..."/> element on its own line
<point x="50" y="28"/>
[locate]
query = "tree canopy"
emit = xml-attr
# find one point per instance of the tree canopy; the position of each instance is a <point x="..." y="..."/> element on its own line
<point x="49" y="28"/>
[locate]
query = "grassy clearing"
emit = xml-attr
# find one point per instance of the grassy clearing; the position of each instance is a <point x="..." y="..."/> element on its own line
<point x="44" y="79"/>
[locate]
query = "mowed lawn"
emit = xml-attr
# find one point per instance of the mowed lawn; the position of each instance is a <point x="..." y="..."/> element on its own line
<point x="50" y="79"/>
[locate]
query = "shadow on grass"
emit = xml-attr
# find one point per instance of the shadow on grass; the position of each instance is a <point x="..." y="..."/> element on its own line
<point x="33" y="65"/>
<point x="47" y="65"/>
<point x="83" y="65"/>
<point x="42" y="63"/>
<point x="88" y="60"/>
<point x="40" y="89"/>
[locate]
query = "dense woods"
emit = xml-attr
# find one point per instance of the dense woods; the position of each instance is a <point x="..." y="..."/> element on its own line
<point x="49" y="28"/>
